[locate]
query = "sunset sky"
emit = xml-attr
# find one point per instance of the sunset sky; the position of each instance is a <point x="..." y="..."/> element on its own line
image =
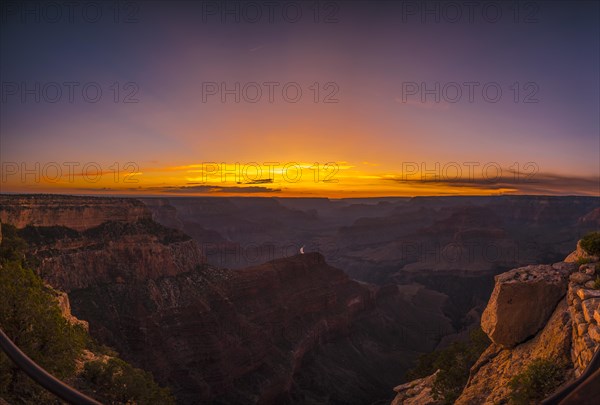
<point x="362" y="117"/>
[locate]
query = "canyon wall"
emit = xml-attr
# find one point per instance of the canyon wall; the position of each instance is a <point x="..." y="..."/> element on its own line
<point x="79" y="213"/>
<point x="286" y="330"/>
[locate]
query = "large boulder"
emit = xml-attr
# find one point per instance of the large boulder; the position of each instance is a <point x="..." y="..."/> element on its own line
<point x="490" y="375"/>
<point x="522" y="301"/>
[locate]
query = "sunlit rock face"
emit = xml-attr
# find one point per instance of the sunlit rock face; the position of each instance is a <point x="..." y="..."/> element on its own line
<point x="78" y="213"/>
<point x="584" y="305"/>
<point x="490" y="375"/>
<point x="416" y="392"/>
<point x="570" y="336"/>
<point x="522" y="301"/>
<point x="534" y="312"/>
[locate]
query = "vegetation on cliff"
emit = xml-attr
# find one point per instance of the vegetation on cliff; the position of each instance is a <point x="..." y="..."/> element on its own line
<point x="454" y="363"/>
<point x="537" y="381"/>
<point x="591" y="243"/>
<point x="30" y="316"/>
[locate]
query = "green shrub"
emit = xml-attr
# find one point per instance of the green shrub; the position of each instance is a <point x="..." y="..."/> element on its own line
<point x="536" y="382"/>
<point x="583" y="260"/>
<point x="597" y="283"/>
<point x="117" y="382"/>
<point x="454" y="363"/>
<point x="30" y="316"/>
<point x="591" y="243"/>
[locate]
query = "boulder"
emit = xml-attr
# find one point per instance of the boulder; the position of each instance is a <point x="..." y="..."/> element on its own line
<point x="490" y="375"/>
<point x="522" y="301"/>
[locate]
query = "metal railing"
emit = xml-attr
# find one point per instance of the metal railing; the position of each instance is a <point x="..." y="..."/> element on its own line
<point x="581" y="391"/>
<point x="41" y="376"/>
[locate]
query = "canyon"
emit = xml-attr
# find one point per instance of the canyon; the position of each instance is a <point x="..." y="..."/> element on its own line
<point x="212" y="297"/>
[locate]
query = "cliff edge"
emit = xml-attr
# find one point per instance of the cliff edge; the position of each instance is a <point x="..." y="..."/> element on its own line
<point x="536" y="313"/>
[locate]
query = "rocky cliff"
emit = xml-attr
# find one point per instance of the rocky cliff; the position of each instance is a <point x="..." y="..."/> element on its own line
<point x="535" y="312"/>
<point x="78" y="213"/>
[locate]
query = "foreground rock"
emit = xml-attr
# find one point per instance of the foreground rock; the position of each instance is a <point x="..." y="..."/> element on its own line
<point x="570" y="337"/>
<point x="497" y="365"/>
<point x="522" y="301"/>
<point x="416" y="392"/>
<point x="584" y="307"/>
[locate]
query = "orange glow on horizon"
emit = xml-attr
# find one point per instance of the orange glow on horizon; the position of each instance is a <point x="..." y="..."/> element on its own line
<point x="278" y="179"/>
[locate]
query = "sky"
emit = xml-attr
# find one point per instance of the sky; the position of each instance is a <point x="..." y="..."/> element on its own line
<point x="329" y="98"/>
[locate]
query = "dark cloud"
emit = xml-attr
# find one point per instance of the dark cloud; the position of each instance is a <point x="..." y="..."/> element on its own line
<point x="541" y="183"/>
<point x="213" y="189"/>
<point x="260" y="181"/>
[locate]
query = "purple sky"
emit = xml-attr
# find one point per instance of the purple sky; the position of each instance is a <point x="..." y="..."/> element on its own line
<point x="369" y="60"/>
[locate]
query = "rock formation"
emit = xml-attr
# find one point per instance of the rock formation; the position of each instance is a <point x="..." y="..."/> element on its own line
<point x="522" y="301"/>
<point x="490" y="375"/>
<point x="534" y="312"/>
<point x="79" y="213"/>
<point x="416" y="392"/>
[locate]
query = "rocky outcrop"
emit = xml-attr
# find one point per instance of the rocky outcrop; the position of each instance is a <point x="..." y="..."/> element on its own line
<point x="87" y="262"/>
<point x="416" y="392"/>
<point x="78" y="213"/>
<point x="570" y="336"/>
<point x="535" y="312"/>
<point x="114" y="252"/>
<point x="522" y="301"/>
<point x="65" y="309"/>
<point x="490" y="375"/>
<point x="584" y="305"/>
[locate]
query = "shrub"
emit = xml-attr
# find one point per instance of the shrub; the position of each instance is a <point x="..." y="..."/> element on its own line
<point x="117" y="382"/>
<point x="583" y="260"/>
<point x="30" y="316"/>
<point x="536" y="382"/>
<point x="597" y="283"/>
<point x="454" y="363"/>
<point x="591" y="243"/>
